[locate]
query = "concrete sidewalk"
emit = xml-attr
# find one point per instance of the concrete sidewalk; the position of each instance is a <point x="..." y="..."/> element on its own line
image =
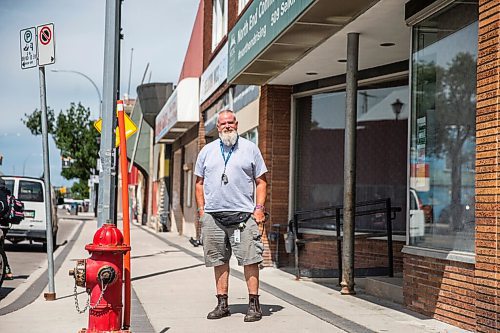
<point x="173" y="292"/>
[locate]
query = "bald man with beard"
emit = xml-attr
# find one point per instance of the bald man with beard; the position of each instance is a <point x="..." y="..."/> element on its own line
<point x="230" y="174"/>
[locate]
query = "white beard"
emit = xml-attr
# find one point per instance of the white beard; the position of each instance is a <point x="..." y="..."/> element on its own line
<point x="228" y="138"/>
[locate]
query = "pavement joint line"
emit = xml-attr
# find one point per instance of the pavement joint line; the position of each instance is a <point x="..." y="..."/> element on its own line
<point x="315" y="310"/>
<point x="33" y="290"/>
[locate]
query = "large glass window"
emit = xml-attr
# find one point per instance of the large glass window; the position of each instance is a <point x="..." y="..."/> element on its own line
<point x="382" y="145"/>
<point x="442" y="151"/>
<point x="219" y="21"/>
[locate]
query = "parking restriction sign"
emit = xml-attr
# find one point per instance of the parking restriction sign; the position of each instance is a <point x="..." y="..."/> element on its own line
<point x="46" y="44"/>
<point x="28" y="44"/>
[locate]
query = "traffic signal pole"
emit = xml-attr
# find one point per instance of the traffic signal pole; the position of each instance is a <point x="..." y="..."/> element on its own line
<point x="107" y="205"/>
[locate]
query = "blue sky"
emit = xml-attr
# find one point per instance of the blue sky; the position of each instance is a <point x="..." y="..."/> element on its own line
<point x="157" y="30"/>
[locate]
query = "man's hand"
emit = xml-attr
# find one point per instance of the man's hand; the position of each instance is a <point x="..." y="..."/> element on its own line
<point x="200" y="213"/>
<point x="259" y="216"/>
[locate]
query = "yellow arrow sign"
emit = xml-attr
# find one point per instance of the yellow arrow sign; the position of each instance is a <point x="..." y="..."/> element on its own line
<point x="130" y="128"/>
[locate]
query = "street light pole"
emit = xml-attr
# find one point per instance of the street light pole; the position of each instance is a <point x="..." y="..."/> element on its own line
<point x="92" y="192"/>
<point x="88" y="78"/>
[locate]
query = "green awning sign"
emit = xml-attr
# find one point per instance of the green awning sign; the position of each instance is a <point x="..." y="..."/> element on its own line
<point x="259" y="26"/>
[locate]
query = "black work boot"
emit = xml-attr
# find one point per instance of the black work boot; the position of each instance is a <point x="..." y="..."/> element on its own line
<point x="254" y="312"/>
<point x="221" y="310"/>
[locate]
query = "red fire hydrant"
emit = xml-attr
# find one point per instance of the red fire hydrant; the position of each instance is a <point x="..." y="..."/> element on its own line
<point x="102" y="276"/>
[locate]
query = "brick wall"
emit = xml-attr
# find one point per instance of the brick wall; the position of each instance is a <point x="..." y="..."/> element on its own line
<point x="274" y="143"/>
<point x="441" y="289"/>
<point x="487" y="275"/>
<point x="370" y="254"/>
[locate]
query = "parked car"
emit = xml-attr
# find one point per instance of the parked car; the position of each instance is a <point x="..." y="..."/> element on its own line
<point x="31" y="191"/>
<point x="417" y="215"/>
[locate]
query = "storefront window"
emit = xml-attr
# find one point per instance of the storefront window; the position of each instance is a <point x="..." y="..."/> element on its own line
<point x="382" y="145"/>
<point x="219" y="21"/>
<point x="442" y="151"/>
<point x="251" y="135"/>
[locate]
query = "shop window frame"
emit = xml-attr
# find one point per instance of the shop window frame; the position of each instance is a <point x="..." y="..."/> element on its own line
<point x="452" y="255"/>
<point x="218" y="36"/>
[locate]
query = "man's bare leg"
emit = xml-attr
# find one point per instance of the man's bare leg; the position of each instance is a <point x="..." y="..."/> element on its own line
<point x="252" y="278"/>
<point x="222" y="285"/>
<point x="222" y="278"/>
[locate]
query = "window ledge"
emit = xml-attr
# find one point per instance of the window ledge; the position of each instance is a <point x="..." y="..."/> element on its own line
<point x="465" y="257"/>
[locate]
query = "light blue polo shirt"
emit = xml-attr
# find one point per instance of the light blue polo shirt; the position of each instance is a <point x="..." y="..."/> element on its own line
<point x="244" y="165"/>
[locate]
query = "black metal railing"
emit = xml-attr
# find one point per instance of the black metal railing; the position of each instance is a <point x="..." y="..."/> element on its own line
<point x="326" y="223"/>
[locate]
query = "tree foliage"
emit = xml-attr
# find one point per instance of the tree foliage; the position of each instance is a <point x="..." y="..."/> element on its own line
<point x="74" y="135"/>
<point x="34" y="121"/>
<point x="80" y="190"/>
<point x="450" y="102"/>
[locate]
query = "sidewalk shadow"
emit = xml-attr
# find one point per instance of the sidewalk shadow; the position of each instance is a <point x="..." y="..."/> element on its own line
<point x="4" y="291"/>
<point x="165" y="272"/>
<point x="267" y="309"/>
<point x="154" y="254"/>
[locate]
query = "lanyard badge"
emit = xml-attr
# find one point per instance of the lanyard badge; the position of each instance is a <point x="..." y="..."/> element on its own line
<point x="224" y="178"/>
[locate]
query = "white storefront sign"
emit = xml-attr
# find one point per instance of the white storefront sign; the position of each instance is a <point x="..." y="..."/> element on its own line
<point x="215" y="75"/>
<point x="181" y="111"/>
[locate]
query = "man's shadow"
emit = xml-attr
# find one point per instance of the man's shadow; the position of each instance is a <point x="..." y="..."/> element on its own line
<point x="267" y="309"/>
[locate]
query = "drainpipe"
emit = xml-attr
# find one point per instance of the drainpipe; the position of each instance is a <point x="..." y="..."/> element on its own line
<point x="347" y="283"/>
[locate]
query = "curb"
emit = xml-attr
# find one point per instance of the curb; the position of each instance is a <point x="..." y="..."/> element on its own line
<point x="21" y="289"/>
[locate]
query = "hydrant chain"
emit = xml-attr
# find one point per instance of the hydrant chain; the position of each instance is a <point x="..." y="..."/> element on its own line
<point x="87" y="306"/>
<point x="77" y="304"/>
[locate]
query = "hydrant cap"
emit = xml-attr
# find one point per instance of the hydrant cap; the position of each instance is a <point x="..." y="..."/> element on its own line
<point x="108" y="237"/>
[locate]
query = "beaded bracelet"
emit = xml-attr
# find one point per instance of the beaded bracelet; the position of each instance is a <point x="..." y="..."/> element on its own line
<point x="261" y="207"/>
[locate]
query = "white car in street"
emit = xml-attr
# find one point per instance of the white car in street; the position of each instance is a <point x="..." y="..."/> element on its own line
<point x="31" y="192"/>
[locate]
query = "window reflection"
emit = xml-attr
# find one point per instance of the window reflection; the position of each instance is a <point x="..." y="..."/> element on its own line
<point x="381" y="151"/>
<point x="443" y="129"/>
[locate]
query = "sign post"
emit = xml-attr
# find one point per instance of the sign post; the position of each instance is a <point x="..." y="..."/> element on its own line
<point x="38" y="47"/>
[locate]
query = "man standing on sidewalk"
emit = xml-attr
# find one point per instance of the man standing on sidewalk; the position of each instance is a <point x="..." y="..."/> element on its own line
<point x="230" y="174"/>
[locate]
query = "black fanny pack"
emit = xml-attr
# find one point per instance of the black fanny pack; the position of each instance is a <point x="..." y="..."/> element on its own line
<point x="230" y="218"/>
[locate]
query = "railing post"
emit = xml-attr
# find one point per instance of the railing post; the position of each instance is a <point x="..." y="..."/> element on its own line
<point x="388" y="222"/>
<point x="296" y="247"/>
<point x="339" y="243"/>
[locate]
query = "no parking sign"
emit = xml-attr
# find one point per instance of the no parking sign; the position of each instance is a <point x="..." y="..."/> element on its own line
<point x="46" y="44"/>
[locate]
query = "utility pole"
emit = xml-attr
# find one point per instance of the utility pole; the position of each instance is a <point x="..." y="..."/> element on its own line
<point x="107" y="195"/>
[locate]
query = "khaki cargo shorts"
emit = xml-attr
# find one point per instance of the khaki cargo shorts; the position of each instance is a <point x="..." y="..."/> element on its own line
<point x="219" y="242"/>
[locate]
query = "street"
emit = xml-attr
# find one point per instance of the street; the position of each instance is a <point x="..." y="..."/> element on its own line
<point x="25" y="258"/>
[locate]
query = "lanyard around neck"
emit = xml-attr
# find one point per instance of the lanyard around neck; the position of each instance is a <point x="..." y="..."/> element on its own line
<point x="226" y="159"/>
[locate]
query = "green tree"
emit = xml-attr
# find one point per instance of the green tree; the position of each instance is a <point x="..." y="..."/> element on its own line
<point x="74" y="135"/>
<point x="454" y="120"/>
<point x="80" y="190"/>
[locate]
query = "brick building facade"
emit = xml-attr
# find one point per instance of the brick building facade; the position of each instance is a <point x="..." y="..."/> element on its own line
<point x="452" y="285"/>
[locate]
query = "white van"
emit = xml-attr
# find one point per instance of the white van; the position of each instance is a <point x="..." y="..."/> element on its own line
<point x="31" y="191"/>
